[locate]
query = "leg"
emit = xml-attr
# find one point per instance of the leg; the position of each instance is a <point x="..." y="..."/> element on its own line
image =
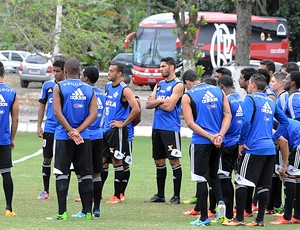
<point x="8" y="188"/>
<point x="177" y="177"/>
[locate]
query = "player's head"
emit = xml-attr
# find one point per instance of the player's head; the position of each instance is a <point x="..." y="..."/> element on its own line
<point x="1" y="69"/>
<point x="91" y="73"/>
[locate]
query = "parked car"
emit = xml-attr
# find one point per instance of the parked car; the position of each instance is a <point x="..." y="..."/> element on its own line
<point x="35" y="68"/>
<point x="126" y="60"/>
<point x="14" y="59"/>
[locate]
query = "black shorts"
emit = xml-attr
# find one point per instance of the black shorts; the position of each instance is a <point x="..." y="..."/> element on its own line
<point x="67" y="152"/>
<point x="97" y="155"/>
<point x="127" y="160"/>
<point x="115" y="141"/>
<point x="165" y="144"/>
<point x="5" y="157"/>
<point x="255" y="170"/>
<point x="48" y="140"/>
<point x="204" y="161"/>
<point x="228" y="161"/>
<point x="294" y="162"/>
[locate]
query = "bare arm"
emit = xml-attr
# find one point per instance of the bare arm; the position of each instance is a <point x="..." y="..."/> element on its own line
<point x="14" y="121"/>
<point x="137" y="120"/>
<point x="226" y="116"/>
<point x="151" y="101"/>
<point x="41" y="113"/>
<point x="284" y="148"/>
<point x="169" y="103"/>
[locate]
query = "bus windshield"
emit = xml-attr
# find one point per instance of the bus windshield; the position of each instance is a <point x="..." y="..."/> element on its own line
<point x="153" y="44"/>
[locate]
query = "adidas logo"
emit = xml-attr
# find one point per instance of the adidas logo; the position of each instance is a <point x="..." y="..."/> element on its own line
<point x="239" y="112"/>
<point x="78" y="95"/>
<point x="267" y="108"/>
<point x="2" y="101"/>
<point x="99" y="103"/>
<point x="209" y="97"/>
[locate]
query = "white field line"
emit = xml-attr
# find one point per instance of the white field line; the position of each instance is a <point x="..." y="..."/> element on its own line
<point x="39" y="152"/>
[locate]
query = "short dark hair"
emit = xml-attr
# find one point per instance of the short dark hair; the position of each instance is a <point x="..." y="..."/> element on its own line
<point x="265" y="73"/>
<point x="72" y="65"/>
<point x="1" y="69"/>
<point x="120" y="67"/>
<point x="226" y="80"/>
<point x="91" y="73"/>
<point x="295" y="76"/>
<point x="126" y="79"/>
<point x="291" y="66"/>
<point x="224" y="71"/>
<point x="259" y="80"/>
<point x="60" y="63"/>
<point x="169" y="60"/>
<point x="248" y="72"/>
<point x="189" y="75"/>
<point x="270" y="65"/>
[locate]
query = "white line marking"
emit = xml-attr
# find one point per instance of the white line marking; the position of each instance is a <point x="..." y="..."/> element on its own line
<point x="39" y="152"/>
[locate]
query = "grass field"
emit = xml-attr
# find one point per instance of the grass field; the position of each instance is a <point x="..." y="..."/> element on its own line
<point x="133" y="213"/>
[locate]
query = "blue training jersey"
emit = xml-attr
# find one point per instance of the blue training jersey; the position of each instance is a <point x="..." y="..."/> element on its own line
<point x="7" y="98"/>
<point x="282" y="99"/>
<point x="233" y="133"/>
<point x="76" y="98"/>
<point x="207" y="109"/>
<point x="292" y="107"/>
<point x="96" y="129"/>
<point x="46" y="98"/>
<point x="256" y="133"/>
<point x="165" y="120"/>
<point x="116" y="108"/>
<point x="292" y="134"/>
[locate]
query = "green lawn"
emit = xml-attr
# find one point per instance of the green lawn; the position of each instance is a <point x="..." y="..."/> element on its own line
<point x="133" y="213"/>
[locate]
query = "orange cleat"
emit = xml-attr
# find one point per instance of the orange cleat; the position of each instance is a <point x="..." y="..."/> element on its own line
<point x="281" y="220"/>
<point x="9" y="213"/>
<point x="295" y="221"/>
<point x="211" y="214"/>
<point x="191" y="212"/>
<point x="113" y="200"/>
<point x="122" y="197"/>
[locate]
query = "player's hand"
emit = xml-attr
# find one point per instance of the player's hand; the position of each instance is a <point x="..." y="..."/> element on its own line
<point x="217" y="140"/>
<point x="242" y="148"/>
<point x="117" y="124"/>
<point x="40" y="132"/>
<point x="282" y="172"/>
<point x="73" y="132"/>
<point x="78" y="140"/>
<point x="12" y="144"/>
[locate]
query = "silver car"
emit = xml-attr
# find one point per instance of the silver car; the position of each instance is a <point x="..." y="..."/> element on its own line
<point x="35" y="68"/>
<point x="14" y="59"/>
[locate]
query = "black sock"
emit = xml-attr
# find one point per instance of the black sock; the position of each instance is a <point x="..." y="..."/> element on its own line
<point x="214" y="183"/>
<point x="104" y="175"/>
<point x="177" y="177"/>
<point x="212" y="201"/>
<point x="46" y="170"/>
<point x="263" y="199"/>
<point x="228" y="194"/>
<point x="290" y="193"/>
<point x="119" y="175"/>
<point x="241" y="193"/>
<point x="62" y="183"/>
<point x="278" y="192"/>
<point x="248" y="204"/>
<point x="8" y="187"/>
<point x="97" y="192"/>
<point x="202" y="193"/>
<point x="81" y="194"/>
<point x="87" y="188"/>
<point x="161" y="174"/>
<point x="125" y="180"/>
<point x="297" y="203"/>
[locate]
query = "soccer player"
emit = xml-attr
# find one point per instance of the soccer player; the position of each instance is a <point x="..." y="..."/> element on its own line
<point x="166" y="142"/>
<point x="51" y="123"/>
<point x="207" y="113"/>
<point x="75" y="107"/>
<point x="292" y="84"/>
<point x="245" y="75"/>
<point x="276" y="85"/>
<point x="9" y="105"/>
<point x="90" y="76"/>
<point x="221" y="72"/>
<point x="117" y="116"/>
<point x="257" y="160"/>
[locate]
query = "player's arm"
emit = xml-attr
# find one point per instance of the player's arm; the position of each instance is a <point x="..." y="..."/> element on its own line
<point x="284" y="148"/>
<point x="93" y="113"/>
<point x="227" y="116"/>
<point x="152" y="102"/>
<point x="14" y="121"/>
<point x="41" y="113"/>
<point x="138" y="118"/>
<point x="170" y="103"/>
<point x="189" y="118"/>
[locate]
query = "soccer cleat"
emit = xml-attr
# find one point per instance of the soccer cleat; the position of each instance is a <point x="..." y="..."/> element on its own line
<point x="270" y="212"/>
<point x="113" y="200"/>
<point x="96" y="213"/>
<point x="9" y="213"/>
<point x="281" y="220"/>
<point x="122" y="197"/>
<point x="89" y="216"/>
<point x="234" y="223"/>
<point x="174" y="200"/>
<point x="256" y="224"/>
<point x="254" y="208"/>
<point x="211" y="214"/>
<point x="295" y="221"/>
<point x="78" y="200"/>
<point x="246" y="214"/>
<point x="279" y="210"/>
<point x="192" y="200"/>
<point x="44" y="196"/>
<point x="57" y="216"/>
<point x="199" y="222"/>
<point x="226" y="220"/>
<point x="78" y="215"/>
<point x="220" y="214"/>
<point x="191" y="212"/>
<point x="157" y="199"/>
